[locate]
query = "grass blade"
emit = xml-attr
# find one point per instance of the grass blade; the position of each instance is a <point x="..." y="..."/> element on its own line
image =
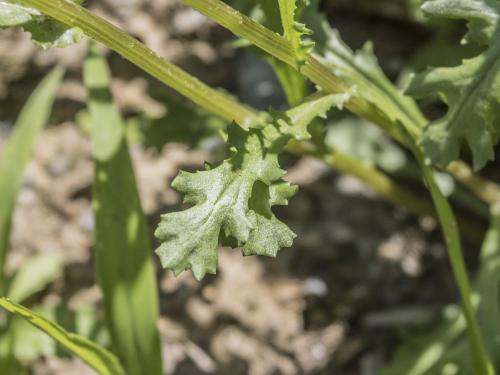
<point x="125" y="269"/>
<point x="31" y="121"/>
<point x="34" y="275"/>
<point x="95" y="356"/>
<point x="482" y="363"/>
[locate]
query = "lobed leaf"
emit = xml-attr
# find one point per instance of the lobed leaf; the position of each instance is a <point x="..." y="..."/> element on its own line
<point x="471" y="90"/>
<point x="45" y="32"/>
<point x="232" y="203"/>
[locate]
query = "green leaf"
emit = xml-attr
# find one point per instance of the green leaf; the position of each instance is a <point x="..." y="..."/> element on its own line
<point x="95" y="356"/>
<point x="124" y="265"/>
<point x="293" y="82"/>
<point x="34" y="275"/>
<point x="431" y="351"/>
<point x="232" y="202"/>
<point x="45" y="32"/>
<point x="365" y="142"/>
<point x="471" y="90"/>
<point x="295" y="31"/>
<point x="367" y="80"/>
<point x="31" y="121"/>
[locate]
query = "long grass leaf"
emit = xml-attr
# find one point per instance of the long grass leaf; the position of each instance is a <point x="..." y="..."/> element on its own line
<point x="125" y="269"/>
<point x="18" y="152"/>
<point x="94" y="355"/>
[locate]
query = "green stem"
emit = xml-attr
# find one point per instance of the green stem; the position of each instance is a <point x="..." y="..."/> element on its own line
<point x="282" y="49"/>
<point x="383" y="185"/>
<point x="130" y="48"/>
<point x="487" y="191"/>
<point x="481" y="361"/>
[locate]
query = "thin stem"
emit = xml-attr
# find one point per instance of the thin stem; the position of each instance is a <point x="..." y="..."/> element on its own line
<point x="481" y="361"/>
<point x="486" y="190"/>
<point x="383" y="185"/>
<point x="73" y="15"/>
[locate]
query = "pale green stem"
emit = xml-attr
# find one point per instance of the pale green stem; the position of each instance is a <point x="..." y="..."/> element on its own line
<point x="130" y="48"/>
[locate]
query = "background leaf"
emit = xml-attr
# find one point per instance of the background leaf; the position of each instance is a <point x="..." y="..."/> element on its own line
<point x="45" y="32"/>
<point x="34" y="275"/>
<point x="31" y="121"/>
<point x="125" y="270"/>
<point x="95" y="356"/>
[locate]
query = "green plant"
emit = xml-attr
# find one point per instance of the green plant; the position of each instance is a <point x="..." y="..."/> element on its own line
<point x="232" y="203"/>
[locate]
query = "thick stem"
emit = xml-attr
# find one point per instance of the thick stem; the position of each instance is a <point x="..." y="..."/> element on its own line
<point x="130" y="48"/>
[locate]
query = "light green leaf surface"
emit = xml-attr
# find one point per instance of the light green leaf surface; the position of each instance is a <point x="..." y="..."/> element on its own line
<point x="367" y="80"/>
<point x="295" y="31"/>
<point x="232" y="202"/>
<point x="471" y="90"/>
<point x="293" y="83"/>
<point x="125" y="269"/>
<point x="16" y="155"/>
<point x="95" y="356"/>
<point x="34" y="275"/>
<point x="45" y="32"/>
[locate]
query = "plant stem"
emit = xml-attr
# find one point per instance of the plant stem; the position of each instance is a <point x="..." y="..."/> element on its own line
<point x="487" y="191"/>
<point x="282" y="49"/>
<point x="481" y="361"/>
<point x="73" y="15"/>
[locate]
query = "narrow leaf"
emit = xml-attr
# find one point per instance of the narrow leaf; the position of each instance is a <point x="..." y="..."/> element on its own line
<point x="95" y="356"/>
<point x="430" y="352"/>
<point x="292" y="81"/>
<point x="295" y="31"/>
<point x="34" y="275"/>
<point x="18" y="152"/>
<point x="125" y="270"/>
<point x="481" y="361"/>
